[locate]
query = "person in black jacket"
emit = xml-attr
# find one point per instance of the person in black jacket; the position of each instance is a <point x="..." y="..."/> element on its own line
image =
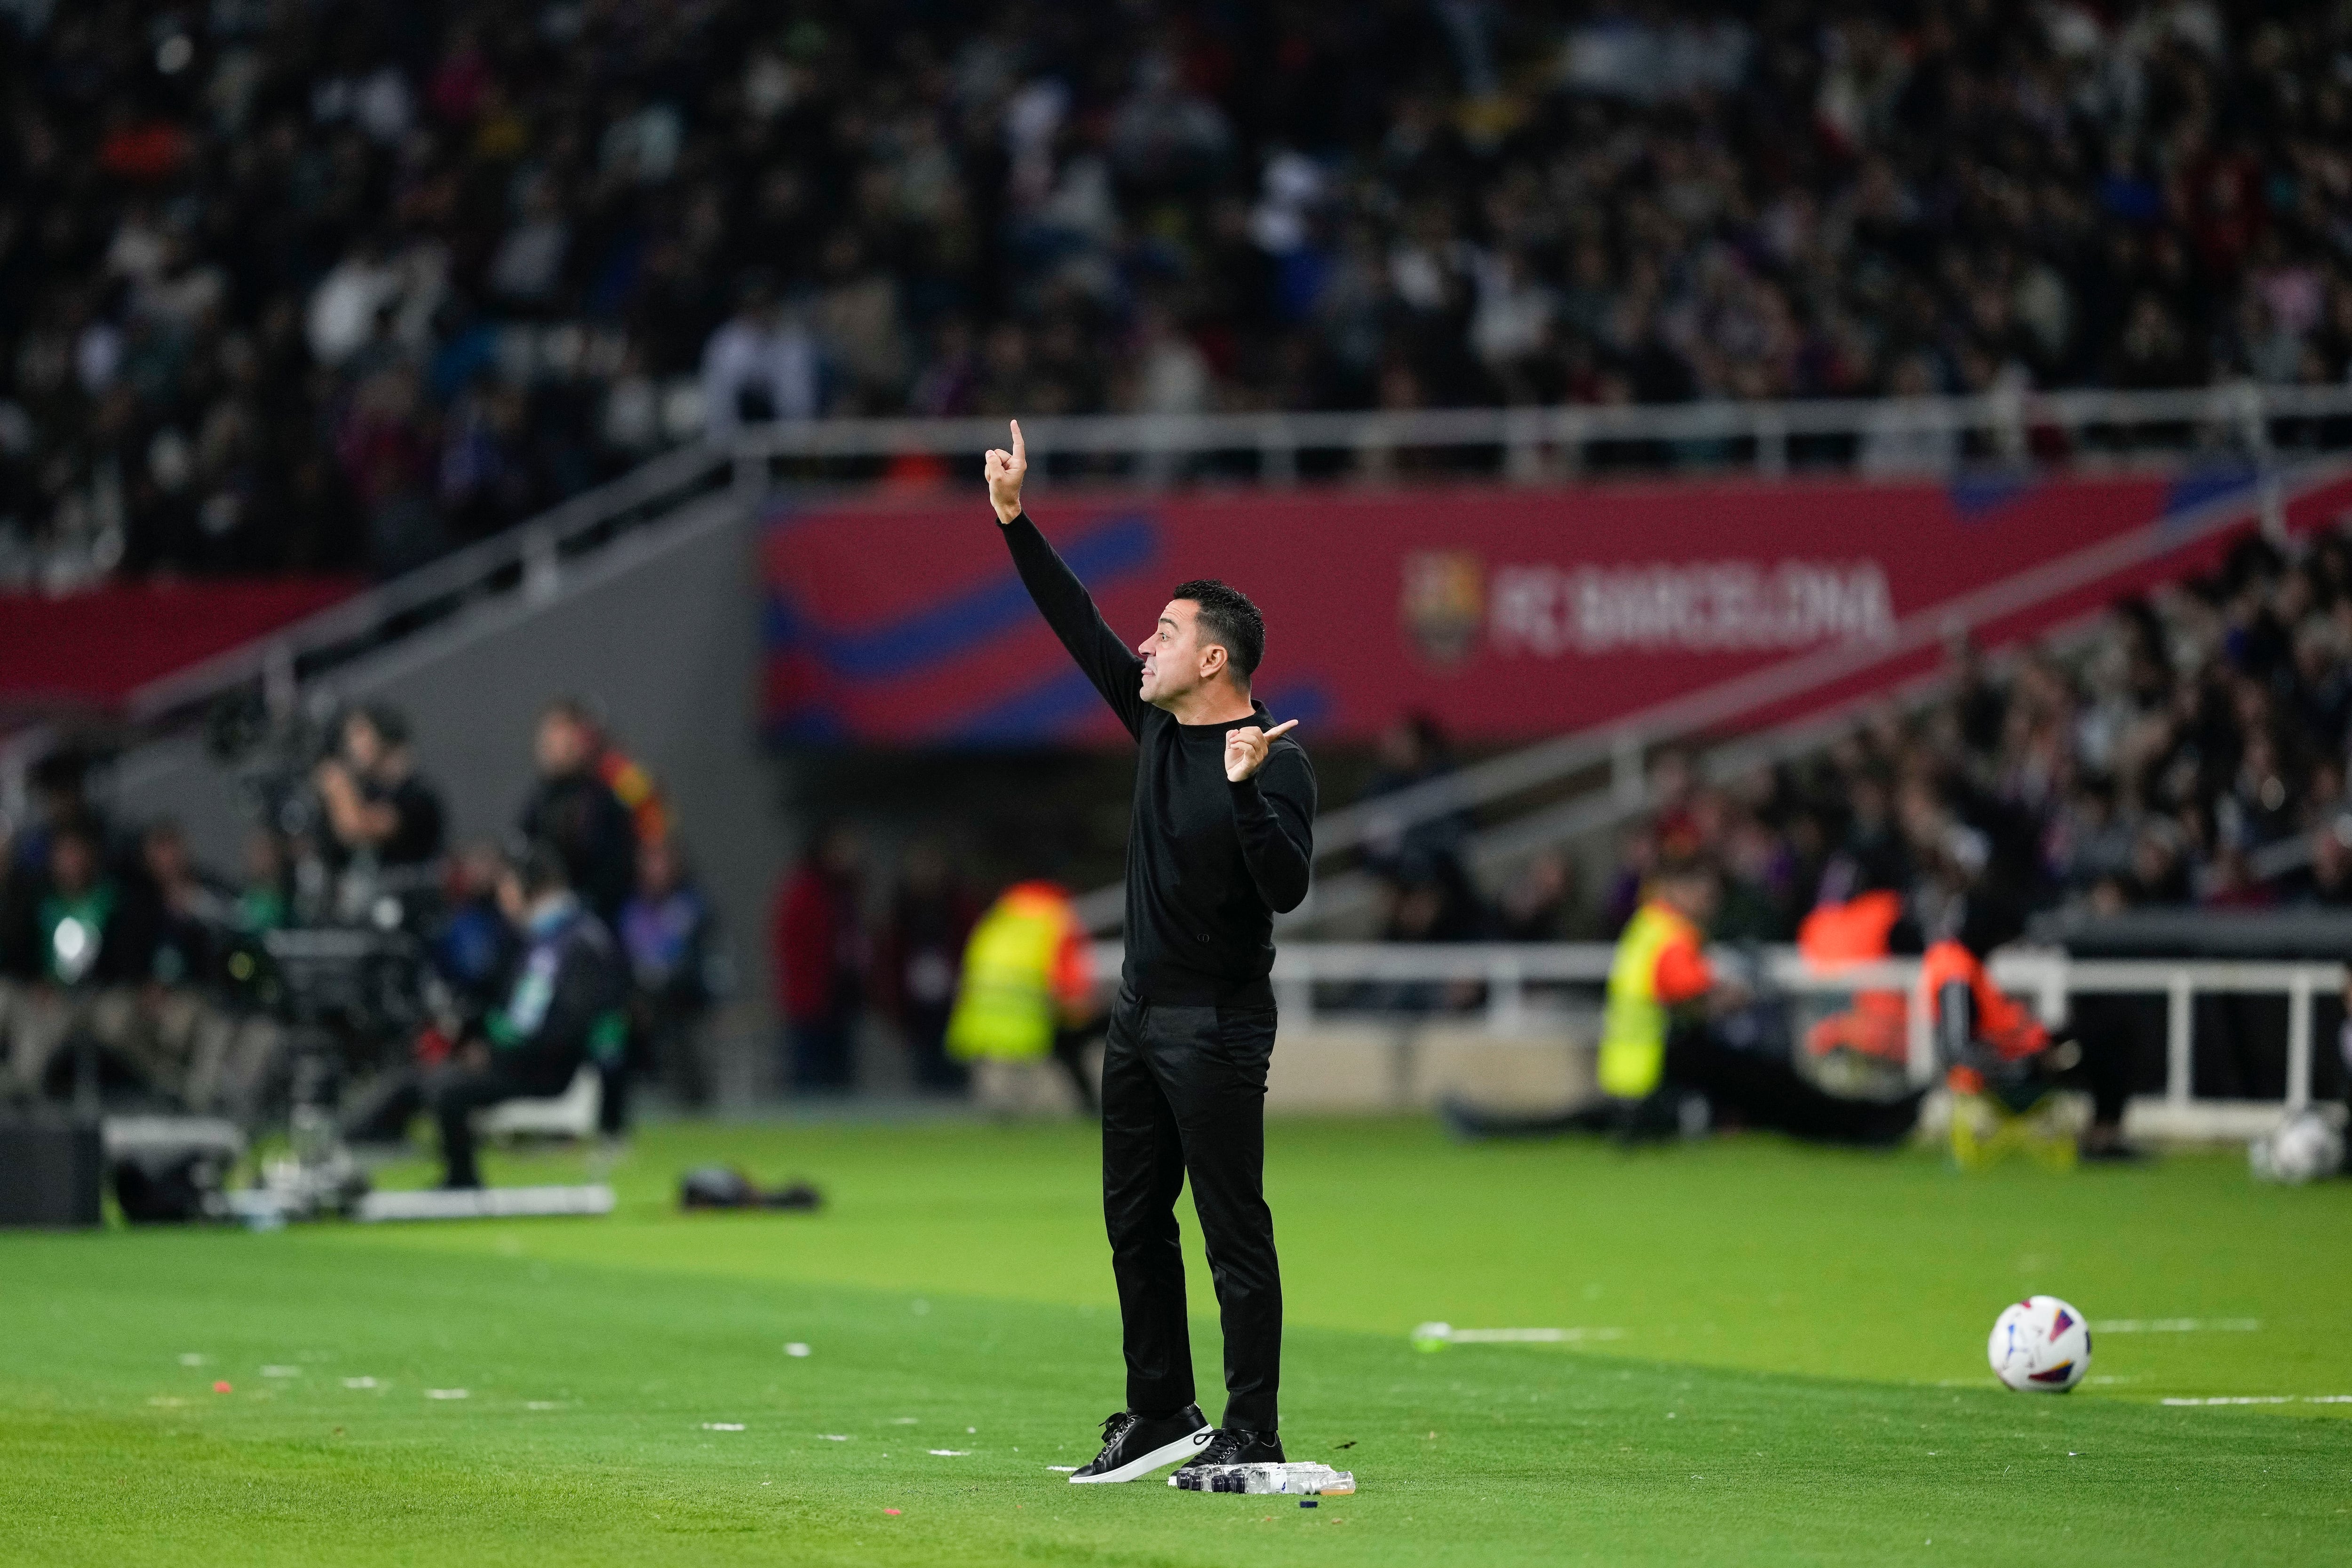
<point x="575" y="811"/>
<point x="1220" y="839"/>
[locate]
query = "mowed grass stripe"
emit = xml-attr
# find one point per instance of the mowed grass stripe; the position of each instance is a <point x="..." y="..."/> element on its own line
<point x="1747" y="1252"/>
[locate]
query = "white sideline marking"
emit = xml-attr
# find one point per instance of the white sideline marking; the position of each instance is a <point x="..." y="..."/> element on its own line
<point x="2178" y="1325"/>
<point x="448" y="1394"/>
<point x="1448" y="1334"/>
<point x="722" y="1425"/>
<point x="796" y="1350"/>
<point x="359" y="1383"/>
<point x="1064" y="1469"/>
<point x="953" y="1453"/>
<point x="2268" y="1399"/>
<point x="834" y="1436"/>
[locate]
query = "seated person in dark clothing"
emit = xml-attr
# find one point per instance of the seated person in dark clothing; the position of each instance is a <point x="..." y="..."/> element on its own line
<point x="474" y="946"/>
<point x="376" y="802"/>
<point x="575" y="809"/>
<point x="78" y="932"/>
<point x="172" y="923"/>
<point x="567" y="1007"/>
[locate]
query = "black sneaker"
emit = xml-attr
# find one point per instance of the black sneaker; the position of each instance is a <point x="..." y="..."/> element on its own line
<point x="1135" y="1446"/>
<point x="1233" y="1446"/>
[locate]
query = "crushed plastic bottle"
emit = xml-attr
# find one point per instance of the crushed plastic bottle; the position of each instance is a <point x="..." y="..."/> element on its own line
<point x="1294" y="1481"/>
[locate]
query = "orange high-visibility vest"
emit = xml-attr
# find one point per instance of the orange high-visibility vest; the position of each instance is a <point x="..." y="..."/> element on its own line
<point x="1856" y="932"/>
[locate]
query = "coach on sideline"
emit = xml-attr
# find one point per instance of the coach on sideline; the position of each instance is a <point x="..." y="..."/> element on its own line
<point x="1219" y="842"/>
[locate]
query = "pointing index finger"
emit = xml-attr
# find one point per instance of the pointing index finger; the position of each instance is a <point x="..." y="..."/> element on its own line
<point x="1020" y="447"/>
<point x="1284" y="727"/>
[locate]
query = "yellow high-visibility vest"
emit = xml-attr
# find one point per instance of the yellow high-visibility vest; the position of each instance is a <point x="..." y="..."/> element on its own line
<point x="1634" y="1023"/>
<point x="1006" y="1007"/>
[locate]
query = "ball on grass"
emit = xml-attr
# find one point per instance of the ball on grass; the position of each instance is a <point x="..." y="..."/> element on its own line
<point x="2040" y="1345"/>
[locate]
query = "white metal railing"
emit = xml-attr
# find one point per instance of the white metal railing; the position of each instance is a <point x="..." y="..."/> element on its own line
<point x="1540" y="441"/>
<point x="1509" y="972"/>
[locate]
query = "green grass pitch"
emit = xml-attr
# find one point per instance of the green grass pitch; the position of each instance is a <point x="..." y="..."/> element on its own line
<point x="1784" y="1362"/>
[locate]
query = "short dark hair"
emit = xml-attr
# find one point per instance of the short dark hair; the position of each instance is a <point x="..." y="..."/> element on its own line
<point x="391" y="724"/>
<point x="1229" y="620"/>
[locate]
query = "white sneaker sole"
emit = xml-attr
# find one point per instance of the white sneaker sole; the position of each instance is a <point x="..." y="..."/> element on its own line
<point x="1183" y="1448"/>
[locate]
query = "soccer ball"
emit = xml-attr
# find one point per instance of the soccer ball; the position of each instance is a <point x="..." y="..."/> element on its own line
<point x="2040" y="1345"/>
<point x="2304" y="1147"/>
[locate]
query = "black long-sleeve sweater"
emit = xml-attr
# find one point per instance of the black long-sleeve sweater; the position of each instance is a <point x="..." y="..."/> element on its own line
<point x="1209" y="862"/>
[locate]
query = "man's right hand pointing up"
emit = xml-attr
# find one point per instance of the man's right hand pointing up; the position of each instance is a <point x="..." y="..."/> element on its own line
<point x="1004" y="471"/>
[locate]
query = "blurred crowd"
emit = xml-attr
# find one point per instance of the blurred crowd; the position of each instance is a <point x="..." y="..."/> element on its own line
<point x="302" y="286"/>
<point x="135" y="974"/>
<point x="2191" y="751"/>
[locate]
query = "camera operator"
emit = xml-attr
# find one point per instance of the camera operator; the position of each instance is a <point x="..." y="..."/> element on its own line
<point x="567" y="1007"/>
<point x="376" y="800"/>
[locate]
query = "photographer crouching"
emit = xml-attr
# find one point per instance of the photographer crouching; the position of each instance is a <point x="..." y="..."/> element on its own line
<point x="567" y="1007"/>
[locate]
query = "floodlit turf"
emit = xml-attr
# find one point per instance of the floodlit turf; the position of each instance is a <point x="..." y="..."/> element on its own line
<point x="1784" y="1362"/>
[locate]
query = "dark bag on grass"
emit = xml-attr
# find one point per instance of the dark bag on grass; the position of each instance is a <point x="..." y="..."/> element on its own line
<point x="717" y="1186"/>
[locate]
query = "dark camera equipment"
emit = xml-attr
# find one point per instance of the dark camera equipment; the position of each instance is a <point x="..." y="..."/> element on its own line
<point x="273" y="757"/>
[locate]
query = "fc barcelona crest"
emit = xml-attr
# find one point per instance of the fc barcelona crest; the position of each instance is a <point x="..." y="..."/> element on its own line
<point x="1444" y="603"/>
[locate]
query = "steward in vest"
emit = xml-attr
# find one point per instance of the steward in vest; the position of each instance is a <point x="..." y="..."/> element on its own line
<point x="1028" y="987"/>
<point x="1664" y="1065"/>
<point x="1859" y="931"/>
<point x="1659" y="968"/>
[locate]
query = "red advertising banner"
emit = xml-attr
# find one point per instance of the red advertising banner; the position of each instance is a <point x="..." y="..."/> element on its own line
<point x="97" y="647"/>
<point x="1511" y="613"/>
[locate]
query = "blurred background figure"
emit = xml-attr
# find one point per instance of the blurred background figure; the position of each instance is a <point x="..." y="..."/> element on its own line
<point x="818" y="944"/>
<point x="377" y="805"/>
<point x="917" y="954"/>
<point x="679" y="971"/>
<point x="575" y="808"/>
<point x="760" y="365"/>
<point x="1026" y="993"/>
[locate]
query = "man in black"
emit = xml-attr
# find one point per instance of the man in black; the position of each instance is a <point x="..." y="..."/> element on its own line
<point x="1219" y="842"/>
<point x="573" y="809"/>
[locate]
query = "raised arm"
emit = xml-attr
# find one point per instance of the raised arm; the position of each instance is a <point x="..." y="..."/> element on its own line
<point x="1114" y="669"/>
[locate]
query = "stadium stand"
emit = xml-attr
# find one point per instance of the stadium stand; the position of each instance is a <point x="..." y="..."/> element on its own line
<point x="2190" y="751"/>
<point x="300" y="288"/>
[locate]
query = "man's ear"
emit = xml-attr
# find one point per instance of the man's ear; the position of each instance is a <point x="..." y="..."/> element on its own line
<point x="1213" y="659"/>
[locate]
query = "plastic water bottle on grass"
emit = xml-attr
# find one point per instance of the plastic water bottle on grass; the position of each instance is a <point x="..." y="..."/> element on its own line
<point x="1292" y="1480"/>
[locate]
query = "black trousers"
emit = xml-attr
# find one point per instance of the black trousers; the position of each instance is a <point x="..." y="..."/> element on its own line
<point x="1183" y="1094"/>
<point x="455" y="1093"/>
<point x="2112" y="1031"/>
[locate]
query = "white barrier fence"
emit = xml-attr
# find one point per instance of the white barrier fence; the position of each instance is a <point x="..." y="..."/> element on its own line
<point x="1522" y="985"/>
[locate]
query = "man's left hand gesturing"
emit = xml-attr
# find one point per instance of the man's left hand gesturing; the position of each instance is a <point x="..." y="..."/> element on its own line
<point x="1245" y="749"/>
